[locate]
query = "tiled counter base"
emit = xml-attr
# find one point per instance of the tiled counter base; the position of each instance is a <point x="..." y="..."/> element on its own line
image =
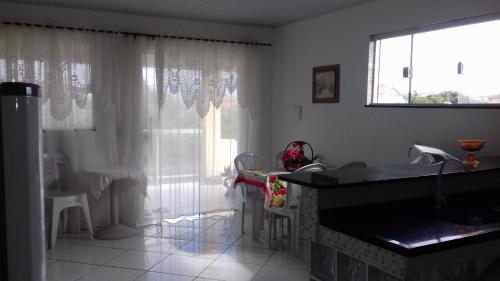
<point x="338" y="257"/>
<point x="310" y="214"/>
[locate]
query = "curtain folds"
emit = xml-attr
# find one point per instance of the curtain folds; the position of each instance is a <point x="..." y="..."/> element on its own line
<point x="179" y="110"/>
<point x="61" y="62"/>
<point x="58" y="61"/>
<point x="202" y="73"/>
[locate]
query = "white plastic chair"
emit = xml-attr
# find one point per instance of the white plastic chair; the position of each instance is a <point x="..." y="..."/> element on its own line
<point x="291" y="209"/>
<point x="246" y="161"/>
<point x="59" y="200"/>
<point x="278" y="163"/>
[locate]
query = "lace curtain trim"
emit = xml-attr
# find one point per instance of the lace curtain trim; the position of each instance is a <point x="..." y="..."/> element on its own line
<point x="60" y="62"/>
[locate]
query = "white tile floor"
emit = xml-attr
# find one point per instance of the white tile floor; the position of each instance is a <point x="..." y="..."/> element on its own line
<point x="207" y="249"/>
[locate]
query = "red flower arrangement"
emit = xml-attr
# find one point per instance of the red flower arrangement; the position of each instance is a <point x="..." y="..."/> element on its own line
<point x="294" y="155"/>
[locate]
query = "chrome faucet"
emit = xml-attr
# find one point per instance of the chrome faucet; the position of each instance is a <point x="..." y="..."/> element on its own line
<point x="439" y="198"/>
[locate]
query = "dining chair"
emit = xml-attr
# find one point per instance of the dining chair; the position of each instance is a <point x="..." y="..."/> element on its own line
<point x="246" y="161"/>
<point x="291" y="209"/>
<point x="278" y="163"/>
<point x="57" y="199"/>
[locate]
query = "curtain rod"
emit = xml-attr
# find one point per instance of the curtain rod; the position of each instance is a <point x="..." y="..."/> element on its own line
<point x="134" y="34"/>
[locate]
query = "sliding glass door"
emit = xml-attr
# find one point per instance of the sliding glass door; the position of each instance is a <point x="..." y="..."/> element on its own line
<point x="188" y="158"/>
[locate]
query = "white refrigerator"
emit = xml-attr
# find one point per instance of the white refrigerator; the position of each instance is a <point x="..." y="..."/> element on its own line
<point x="22" y="243"/>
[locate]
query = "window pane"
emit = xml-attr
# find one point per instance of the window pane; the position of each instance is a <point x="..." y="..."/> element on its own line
<point x="457" y="65"/>
<point x="436" y="55"/>
<point x="393" y="54"/>
<point x="480" y="55"/>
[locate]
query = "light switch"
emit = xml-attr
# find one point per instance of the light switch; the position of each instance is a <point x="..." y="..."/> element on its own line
<point x="298" y="111"/>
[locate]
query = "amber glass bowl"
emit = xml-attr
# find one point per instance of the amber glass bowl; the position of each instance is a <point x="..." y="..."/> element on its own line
<point x="471" y="146"/>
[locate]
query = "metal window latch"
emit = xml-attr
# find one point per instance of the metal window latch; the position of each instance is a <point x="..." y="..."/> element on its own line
<point x="460" y="68"/>
<point x="407" y="72"/>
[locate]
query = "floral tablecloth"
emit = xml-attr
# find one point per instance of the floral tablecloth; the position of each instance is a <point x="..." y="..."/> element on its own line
<point x="268" y="182"/>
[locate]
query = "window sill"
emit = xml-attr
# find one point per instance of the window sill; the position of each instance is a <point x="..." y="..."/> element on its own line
<point x="449" y="106"/>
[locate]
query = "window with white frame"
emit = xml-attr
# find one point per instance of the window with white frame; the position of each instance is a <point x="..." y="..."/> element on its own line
<point x="449" y="64"/>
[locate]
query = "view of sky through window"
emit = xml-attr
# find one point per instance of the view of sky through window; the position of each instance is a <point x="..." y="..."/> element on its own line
<point x="457" y="65"/>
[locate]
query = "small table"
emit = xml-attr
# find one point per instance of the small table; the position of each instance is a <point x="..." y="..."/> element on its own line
<point x="274" y="192"/>
<point x="98" y="179"/>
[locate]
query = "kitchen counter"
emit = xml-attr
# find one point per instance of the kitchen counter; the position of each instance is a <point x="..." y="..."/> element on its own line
<point x="414" y="227"/>
<point x="334" y="179"/>
<point x="383" y="218"/>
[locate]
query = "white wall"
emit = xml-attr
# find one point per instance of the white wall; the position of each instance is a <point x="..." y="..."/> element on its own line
<point x="130" y="23"/>
<point x="349" y="131"/>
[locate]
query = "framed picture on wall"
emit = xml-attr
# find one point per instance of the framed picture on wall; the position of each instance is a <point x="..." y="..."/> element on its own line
<point x="326" y="84"/>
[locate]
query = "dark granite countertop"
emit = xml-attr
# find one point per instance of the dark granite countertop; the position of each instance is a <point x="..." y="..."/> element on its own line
<point x="414" y="227"/>
<point x="331" y="179"/>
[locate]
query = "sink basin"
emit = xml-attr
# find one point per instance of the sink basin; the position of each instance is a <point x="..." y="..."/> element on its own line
<point x="469" y="216"/>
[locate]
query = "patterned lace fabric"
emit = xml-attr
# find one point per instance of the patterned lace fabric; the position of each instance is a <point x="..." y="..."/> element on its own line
<point x="203" y="73"/>
<point x="58" y="61"/>
<point x="64" y="63"/>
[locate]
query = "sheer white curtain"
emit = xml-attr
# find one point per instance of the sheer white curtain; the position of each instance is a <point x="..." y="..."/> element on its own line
<point x="91" y="85"/>
<point x="57" y="61"/>
<point x="203" y="98"/>
<point x="180" y="110"/>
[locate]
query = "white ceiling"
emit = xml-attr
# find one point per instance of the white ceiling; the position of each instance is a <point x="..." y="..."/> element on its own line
<point x="254" y="12"/>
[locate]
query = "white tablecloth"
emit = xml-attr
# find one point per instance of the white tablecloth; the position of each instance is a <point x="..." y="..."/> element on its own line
<point x="100" y="178"/>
